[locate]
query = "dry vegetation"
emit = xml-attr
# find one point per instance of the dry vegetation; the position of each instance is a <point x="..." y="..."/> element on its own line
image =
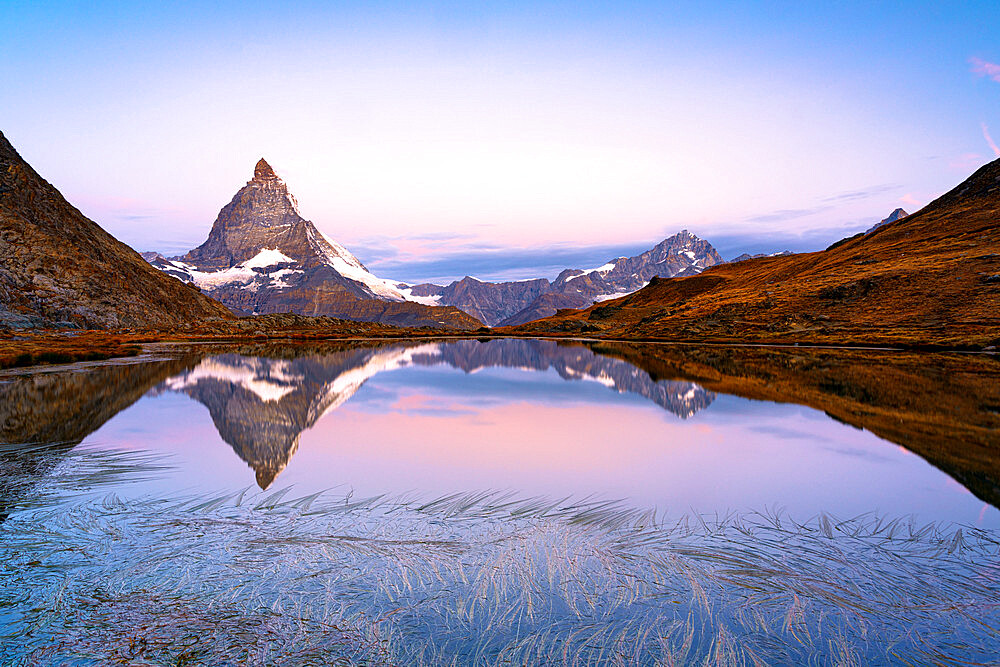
<point x="931" y="280"/>
<point x="50" y="347"/>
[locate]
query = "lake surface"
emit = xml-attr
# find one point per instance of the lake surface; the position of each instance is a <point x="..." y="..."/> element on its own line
<point x="501" y="501"/>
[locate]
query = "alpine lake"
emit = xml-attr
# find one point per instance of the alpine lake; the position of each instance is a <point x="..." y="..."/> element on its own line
<point x="501" y="501"/>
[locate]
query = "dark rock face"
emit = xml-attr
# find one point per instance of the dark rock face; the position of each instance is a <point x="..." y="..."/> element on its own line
<point x="511" y="303"/>
<point x="58" y="268"/>
<point x="492" y="302"/>
<point x="262" y="256"/>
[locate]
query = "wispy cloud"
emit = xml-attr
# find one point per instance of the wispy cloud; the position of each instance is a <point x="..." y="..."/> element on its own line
<point x="789" y="214"/>
<point x="492" y="262"/>
<point x="966" y="161"/>
<point x="989" y="139"/>
<point x="865" y="193"/>
<point x="984" y="68"/>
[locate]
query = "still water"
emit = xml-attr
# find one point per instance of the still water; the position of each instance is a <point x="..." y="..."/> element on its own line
<point x="602" y="504"/>
<point x="528" y="416"/>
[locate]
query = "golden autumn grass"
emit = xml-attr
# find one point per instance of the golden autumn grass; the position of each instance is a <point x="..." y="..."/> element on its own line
<point x="929" y="280"/>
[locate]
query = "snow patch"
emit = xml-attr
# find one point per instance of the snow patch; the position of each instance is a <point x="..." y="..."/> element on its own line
<point x="343" y="262"/>
<point x="267" y="257"/>
<point x="278" y="277"/>
<point x="432" y="300"/>
<point x="601" y="269"/>
<point x="617" y="295"/>
<point x="242" y="274"/>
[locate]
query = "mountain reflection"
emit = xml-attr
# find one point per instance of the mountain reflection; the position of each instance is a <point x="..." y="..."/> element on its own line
<point x="261" y="406"/>
<point x="262" y="397"/>
<point x="45" y="414"/>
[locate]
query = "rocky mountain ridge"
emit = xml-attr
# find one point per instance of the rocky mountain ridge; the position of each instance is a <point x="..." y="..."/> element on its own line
<point x="931" y="279"/>
<point x="517" y="302"/>
<point x="60" y="269"/>
<point x="745" y="256"/>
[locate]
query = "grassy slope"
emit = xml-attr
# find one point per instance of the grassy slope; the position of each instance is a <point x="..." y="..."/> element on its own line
<point x="928" y="279"/>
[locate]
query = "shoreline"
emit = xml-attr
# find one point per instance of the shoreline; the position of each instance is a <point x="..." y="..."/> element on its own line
<point x="59" y="347"/>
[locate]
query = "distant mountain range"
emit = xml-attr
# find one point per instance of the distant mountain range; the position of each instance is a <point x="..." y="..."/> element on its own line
<point x="931" y="278"/>
<point x="510" y="303"/>
<point x="745" y="256"/>
<point x="261" y="256"/>
<point x="59" y="269"/>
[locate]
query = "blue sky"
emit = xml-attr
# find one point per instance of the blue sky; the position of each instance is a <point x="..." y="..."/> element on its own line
<point x="505" y="140"/>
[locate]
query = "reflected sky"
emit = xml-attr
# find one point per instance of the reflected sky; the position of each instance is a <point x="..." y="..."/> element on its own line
<point x="532" y="417"/>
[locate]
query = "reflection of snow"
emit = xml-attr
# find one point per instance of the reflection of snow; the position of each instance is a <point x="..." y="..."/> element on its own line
<point x="329" y="387"/>
<point x="247" y="374"/>
<point x="601" y="378"/>
<point x="347" y="383"/>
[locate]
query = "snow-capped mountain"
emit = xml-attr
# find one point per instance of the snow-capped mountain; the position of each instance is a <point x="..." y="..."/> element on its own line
<point x="262" y="256"/>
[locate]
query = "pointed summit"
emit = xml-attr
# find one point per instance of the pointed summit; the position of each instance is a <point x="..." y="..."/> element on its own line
<point x="898" y="214"/>
<point x="263" y="171"/>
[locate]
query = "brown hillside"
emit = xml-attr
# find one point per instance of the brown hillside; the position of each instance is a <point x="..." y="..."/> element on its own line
<point x="57" y="266"/>
<point x="930" y="278"/>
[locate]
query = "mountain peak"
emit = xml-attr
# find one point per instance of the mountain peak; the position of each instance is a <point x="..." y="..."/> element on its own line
<point x="896" y="215"/>
<point x="263" y="171"/>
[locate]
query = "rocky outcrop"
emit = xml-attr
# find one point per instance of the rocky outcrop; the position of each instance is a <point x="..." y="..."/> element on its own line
<point x="60" y="269"/>
<point x="898" y="214"/>
<point x="487" y="301"/>
<point x="262" y="256"/>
